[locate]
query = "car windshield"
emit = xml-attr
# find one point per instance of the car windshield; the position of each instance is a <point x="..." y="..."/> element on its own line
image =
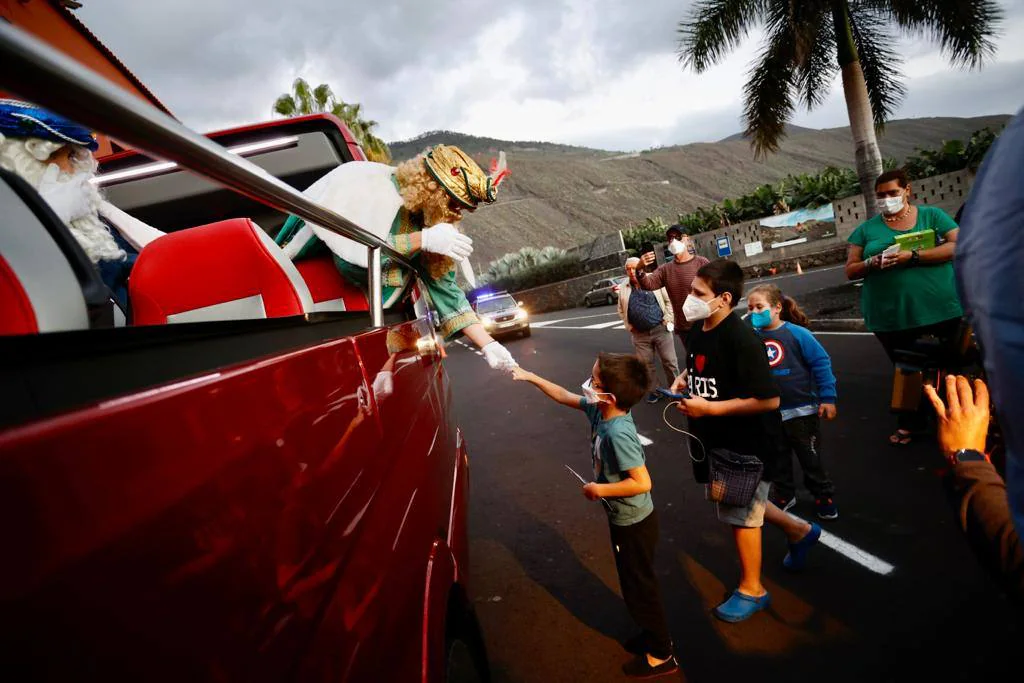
<point x="499" y="304"/>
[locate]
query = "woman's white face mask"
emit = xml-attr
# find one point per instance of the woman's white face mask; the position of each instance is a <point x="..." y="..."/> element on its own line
<point x="892" y="205"/>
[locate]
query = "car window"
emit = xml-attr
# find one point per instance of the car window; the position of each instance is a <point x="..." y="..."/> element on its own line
<point x="499" y="304"/>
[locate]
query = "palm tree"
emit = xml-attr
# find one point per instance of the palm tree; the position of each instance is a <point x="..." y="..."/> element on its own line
<point x="304" y="100"/>
<point x="807" y="41"/>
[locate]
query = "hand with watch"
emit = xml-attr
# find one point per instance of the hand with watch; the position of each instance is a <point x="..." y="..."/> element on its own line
<point x="963" y="419"/>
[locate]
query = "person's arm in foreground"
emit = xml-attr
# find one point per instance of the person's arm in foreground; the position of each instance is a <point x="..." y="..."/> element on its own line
<point x="637" y="481"/>
<point x="551" y="390"/>
<point x="700" y="407"/>
<point x="978" y="490"/>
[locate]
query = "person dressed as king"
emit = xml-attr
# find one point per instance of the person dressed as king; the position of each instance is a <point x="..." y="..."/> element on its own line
<point x="415" y="207"/>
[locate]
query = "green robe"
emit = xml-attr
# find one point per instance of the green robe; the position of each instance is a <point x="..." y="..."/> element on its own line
<point x="447" y="297"/>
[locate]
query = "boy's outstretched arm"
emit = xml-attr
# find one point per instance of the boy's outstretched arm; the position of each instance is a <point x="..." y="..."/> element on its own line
<point x="553" y="391"/>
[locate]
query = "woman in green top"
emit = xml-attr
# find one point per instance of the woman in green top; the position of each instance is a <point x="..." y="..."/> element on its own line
<point x="910" y="293"/>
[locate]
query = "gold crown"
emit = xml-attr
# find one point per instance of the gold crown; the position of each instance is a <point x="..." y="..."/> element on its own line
<point x="462" y="177"/>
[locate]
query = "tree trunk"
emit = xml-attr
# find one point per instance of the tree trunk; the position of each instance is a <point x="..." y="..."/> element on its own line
<point x="858" y="107"/>
<point x="862" y="126"/>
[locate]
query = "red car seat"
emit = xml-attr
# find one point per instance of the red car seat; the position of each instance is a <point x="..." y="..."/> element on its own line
<point x="230" y="270"/>
<point x="328" y="287"/>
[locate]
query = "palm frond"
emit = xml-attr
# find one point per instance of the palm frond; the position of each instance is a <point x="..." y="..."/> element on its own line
<point x="284" y="105"/>
<point x="323" y="96"/>
<point x="303" y="96"/>
<point x="814" y="51"/>
<point x="964" y="29"/>
<point x="879" y="62"/>
<point x="716" y="27"/>
<point x="768" y="93"/>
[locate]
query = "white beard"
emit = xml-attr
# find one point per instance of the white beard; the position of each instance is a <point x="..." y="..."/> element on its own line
<point x="16" y="155"/>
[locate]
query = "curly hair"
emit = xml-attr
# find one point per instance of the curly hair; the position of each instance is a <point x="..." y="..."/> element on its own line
<point x="29" y="158"/>
<point x="423" y="195"/>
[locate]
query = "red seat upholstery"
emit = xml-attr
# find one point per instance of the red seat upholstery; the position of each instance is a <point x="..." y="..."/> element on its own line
<point x="328" y="287"/>
<point x="230" y="270"/>
<point x="16" y="314"/>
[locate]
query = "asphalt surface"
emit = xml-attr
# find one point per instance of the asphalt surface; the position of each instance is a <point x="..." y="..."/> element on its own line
<point x="902" y="597"/>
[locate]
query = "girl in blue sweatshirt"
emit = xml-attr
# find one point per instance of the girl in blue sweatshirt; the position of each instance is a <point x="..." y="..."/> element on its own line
<point x="803" y="371"/>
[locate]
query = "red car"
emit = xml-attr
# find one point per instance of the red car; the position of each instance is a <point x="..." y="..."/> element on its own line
<point x="232" y="497"/>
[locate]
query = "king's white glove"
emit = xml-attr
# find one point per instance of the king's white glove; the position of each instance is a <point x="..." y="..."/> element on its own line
<point x="383" y="385"/>
<point x="69" y="200"/>
<point x="670" y="327"/>
<point x="444" y="239"/>
<point x="498" y="357"/>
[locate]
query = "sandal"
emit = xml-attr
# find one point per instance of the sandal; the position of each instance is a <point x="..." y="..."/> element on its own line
<point x="900" y="438"/>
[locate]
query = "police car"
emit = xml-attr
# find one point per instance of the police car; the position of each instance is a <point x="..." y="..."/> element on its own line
<point x="502" y="315"/>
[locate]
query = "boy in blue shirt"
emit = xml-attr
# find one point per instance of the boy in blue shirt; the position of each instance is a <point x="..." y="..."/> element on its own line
<point x="617" y="383"/>
<point x="803" y="373"/>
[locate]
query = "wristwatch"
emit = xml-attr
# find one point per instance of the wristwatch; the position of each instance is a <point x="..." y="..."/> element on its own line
<point x="915" y="257"/>
<point x="967" y="455"/>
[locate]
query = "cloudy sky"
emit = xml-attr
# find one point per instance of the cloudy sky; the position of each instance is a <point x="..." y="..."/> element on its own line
<point x="601" y="73"/>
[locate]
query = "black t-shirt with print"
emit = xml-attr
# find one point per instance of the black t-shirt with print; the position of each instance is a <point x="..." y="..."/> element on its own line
<point x="730" y="362"/>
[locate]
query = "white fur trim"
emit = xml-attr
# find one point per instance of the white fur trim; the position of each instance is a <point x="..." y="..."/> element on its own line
<point x="364" y="193"/>
<point x="134" y="231"/>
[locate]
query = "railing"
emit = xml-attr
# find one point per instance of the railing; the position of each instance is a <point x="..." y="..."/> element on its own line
<point x="39" y="73"/>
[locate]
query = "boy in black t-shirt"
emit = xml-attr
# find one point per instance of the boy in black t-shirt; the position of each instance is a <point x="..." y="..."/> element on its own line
<point x="734" y="405"/>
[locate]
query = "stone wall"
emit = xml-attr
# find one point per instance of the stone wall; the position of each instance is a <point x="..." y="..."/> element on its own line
<point x="947" y="192"/>
<point x="564" y="294"/>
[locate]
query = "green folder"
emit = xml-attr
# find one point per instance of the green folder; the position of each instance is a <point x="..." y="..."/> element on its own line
<point x="922" y="239"/>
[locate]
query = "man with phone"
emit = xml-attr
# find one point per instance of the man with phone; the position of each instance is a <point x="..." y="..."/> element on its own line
<point x="676" y="276"/>
<point x="649" y="319"/>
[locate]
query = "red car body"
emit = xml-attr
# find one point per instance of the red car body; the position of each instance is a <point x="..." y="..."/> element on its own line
<point x="233" y="501"/>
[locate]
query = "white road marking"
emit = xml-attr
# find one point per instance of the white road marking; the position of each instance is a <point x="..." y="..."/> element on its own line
<point x="852" y="552"/>
<point x="579" y="317"/>
<point x="619" y="327"/>
<point x="600" y="326"/>
<point x="644" y="441"/>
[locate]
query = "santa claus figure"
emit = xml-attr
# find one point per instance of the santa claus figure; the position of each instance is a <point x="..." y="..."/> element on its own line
<point x="415" y="208"/>
<point x="54" y="155"/>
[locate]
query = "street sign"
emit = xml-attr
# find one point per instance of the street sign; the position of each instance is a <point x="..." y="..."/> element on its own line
<point x="724" y="248"/>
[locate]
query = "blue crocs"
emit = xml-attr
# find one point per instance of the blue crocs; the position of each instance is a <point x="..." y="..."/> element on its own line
<point x="740" y="607"/>
<point x="796" y="558"/>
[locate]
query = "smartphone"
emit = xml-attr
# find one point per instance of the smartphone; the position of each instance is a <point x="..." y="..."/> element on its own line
<point x="648" y="248"/>
<point x="668" y="394"/>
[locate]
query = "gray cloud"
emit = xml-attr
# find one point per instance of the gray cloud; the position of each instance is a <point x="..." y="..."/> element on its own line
<point x="532" y="69"/>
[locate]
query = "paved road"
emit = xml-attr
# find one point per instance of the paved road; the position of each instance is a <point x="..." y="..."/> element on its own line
<point x="544" y="578"/>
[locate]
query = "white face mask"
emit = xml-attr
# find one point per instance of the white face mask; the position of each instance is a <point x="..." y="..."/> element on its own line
<point x="892" y="205"/>
<point x="590" y="394"/>
<point x="676" y="247"/>
<point x="695" y="309"/>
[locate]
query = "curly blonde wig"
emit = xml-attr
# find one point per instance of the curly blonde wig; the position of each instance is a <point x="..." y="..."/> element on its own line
<point x="423" y="195"/>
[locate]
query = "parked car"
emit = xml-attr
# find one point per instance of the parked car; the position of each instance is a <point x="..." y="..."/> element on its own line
<point x="231" y="499"/>
<point x="604" y="291"/>
<point x="502" y="315"/>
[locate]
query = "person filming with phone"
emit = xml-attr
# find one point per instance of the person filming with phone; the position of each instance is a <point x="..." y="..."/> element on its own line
<point x="676" y="276"/>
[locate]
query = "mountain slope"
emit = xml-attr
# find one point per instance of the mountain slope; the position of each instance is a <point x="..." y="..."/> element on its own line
<point x="562" y="195"/>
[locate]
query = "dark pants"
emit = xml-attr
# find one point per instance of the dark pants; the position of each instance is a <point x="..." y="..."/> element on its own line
<point x="803" y="435"/>
<point x="634" y="546"/>
<point x="903" y="340"/>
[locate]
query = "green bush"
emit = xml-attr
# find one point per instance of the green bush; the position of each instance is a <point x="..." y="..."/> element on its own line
<point x="530" y="267"/>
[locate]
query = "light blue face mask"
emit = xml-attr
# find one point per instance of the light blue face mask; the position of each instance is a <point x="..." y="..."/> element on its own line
<point x="761" y="319"/>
